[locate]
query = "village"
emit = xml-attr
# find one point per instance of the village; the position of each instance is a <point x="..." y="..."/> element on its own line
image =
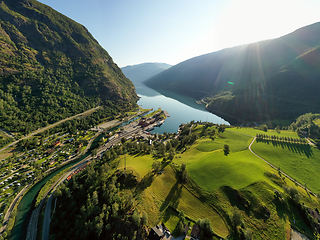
<point x="25" y="166"/>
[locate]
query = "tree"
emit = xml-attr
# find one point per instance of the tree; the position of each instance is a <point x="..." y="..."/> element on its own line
<point x="136" y="218"/>
<point x="236" y="217"/>
<point x="144" y="218"/>
<point x="184" y="176"/>
<point x="182" y="217"/>
<point x="221" y="128"/>
<point x="226" y="149"/>
<point x="206" y="228"/>
<point x="94" y="153"/>
<point x="156" y="165"/>
<point x="184" y="173"/>
<point x="293" y="193"/>
<point x="263" y="127"/>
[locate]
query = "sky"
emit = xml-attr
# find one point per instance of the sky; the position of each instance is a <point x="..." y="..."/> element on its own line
<point x="138" y="31"/>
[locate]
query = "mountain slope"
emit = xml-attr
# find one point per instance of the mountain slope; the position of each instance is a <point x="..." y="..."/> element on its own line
<point x="273" y="79"/>
<point x="51" y="67"/>
<point x="141" y="72"/>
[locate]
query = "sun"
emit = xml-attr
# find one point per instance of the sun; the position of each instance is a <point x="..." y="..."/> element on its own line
<point x="247" y="21"/>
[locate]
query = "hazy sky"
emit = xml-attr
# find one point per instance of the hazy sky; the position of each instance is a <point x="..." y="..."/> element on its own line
<point x="171" y="31"/>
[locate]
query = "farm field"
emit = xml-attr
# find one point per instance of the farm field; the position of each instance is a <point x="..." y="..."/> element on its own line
<point x="301" y="162"/>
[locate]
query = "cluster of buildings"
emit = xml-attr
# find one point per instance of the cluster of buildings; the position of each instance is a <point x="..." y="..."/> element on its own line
<point x="155" y="121"/>
<point x="160" y="232"/>
<point x="77" y="171"/>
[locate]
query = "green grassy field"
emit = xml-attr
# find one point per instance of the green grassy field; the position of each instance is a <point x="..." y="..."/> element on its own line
<point x="300" y="162"/>
<point x="317" y="121"/>
<point x="139" y="164"/>
<point x="210" y="169"/>
<point x="254" y="132"/>
<point x="166" y="189"/>
<point x="220" y="176"/>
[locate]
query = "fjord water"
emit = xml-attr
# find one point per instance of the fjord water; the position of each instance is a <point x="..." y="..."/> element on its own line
<point x="181" y="109"/>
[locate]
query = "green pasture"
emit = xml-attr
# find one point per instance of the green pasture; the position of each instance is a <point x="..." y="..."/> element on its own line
<point x="170" y="219"/>
<point x="301" y="162"/>
<point x="170" y="193"/>
<point x="211" y="169"/>
<point x="270" y="132"/>
<point x="237" y="142"/>
<point x="140" y="164"/>
<point x="317" y="121"/>
<point x="219" y="174"/>
<point x="166" y="191"/>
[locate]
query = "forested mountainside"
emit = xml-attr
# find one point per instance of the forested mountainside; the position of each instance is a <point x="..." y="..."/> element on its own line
<point x="141" y="72"/>
<point x="51" y="67"/>
<point x="267" y="80"/>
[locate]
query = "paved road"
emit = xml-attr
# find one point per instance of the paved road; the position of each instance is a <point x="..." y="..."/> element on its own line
<point x="293" y="180"/>
<point x="50" y="126"/>
<point x="33" y="223"/>
<point x="46" y="220"/>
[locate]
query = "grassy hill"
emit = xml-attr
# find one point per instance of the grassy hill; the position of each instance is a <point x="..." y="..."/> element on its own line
<point x="51" y="68"/>
<point x="223" y="183"/>
<point x="240" y="195"/>
<point x="264" y="81"/>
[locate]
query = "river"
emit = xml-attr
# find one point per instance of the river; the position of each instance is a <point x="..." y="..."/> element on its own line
<point x="181" y="109"/>
<point x="26" y="205"/>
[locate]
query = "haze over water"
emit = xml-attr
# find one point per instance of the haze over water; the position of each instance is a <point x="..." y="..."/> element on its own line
<point x="179" y="112"/>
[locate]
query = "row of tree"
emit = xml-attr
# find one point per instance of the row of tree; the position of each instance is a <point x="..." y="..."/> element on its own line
<point x="281" y="138"/>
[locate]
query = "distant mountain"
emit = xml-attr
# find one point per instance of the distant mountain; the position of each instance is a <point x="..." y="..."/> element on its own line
<point x="270" y="80"/>
<point x="51" y="68"/>
<point x="141" y="72"/>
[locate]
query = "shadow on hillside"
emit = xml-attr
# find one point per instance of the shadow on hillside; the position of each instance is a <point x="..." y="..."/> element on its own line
<point x="173" y="197"/>
<point x="281" y="207"/>
<point x="302" y="149"/>
<point x="169" y="212"/>
<point x="145" y="182"/>
<point x="237" y="199"/>
<point x="128" y="181"/>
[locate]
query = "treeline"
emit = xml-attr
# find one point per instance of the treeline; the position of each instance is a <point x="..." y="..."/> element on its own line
<point x="307" y="126"/>
<point x="281" y="138"/>
<point x="94" y="205"/>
